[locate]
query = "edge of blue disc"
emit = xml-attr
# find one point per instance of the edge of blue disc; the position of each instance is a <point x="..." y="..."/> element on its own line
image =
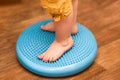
<point x="33" y="41"/>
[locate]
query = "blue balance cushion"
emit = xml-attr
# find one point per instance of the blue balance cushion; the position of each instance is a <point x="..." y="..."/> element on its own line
<point x="34" y="41"/>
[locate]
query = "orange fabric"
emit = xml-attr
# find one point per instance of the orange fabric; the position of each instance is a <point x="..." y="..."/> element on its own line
<point x="57" y="8"/>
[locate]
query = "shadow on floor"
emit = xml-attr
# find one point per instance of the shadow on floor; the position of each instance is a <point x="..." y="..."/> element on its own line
<point x="9" y="2"/>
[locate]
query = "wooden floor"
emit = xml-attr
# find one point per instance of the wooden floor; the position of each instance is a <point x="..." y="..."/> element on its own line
<point x="102" y="17"/>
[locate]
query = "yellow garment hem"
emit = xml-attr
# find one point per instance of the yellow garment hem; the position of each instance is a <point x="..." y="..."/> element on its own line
<point x="58" y="8"/>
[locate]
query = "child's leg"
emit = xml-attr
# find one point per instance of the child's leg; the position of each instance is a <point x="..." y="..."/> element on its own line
<point x="50" y="26"/>
<point x="63" y="40"/>
<point x="75" y="7"/>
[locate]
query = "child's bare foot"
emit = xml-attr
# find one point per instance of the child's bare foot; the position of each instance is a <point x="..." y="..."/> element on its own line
<point x="56" y="50"/>
<point x="50" y="27"/>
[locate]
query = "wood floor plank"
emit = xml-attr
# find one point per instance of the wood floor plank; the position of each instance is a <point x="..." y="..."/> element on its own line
<point x="112" y="73"/>
<point x="17" y="69"/>
<point x="101" y="20"/>
<point x="109" y="55"/>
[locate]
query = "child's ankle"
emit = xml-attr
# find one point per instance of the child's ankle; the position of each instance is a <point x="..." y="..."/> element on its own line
<point x="66" y="42"/>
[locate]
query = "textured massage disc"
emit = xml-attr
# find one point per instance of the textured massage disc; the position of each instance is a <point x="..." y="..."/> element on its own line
<point x="34" y="41"/>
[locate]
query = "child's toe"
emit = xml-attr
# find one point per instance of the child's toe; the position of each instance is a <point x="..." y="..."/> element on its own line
<point x="41" y="56"/>
<point x="46" y="58"/>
